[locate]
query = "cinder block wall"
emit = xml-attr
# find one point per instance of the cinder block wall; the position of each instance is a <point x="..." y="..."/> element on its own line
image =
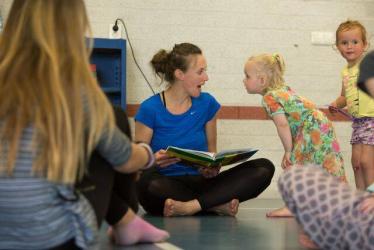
<point x="229" y="32"/>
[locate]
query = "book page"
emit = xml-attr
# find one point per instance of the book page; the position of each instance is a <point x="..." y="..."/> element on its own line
<point x="197" y="152"/>
<point x="233" y="152"/>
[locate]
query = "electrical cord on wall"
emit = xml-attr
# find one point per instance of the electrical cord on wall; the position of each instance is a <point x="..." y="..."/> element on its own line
<point x="115" y="28"/>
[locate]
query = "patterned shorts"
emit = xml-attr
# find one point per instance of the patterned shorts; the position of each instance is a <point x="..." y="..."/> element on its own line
<point x="363" y="131"/>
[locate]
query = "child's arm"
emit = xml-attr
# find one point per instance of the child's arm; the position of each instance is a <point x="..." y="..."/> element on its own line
<point x="284" y="133"/>
<point x="339" y="102"/>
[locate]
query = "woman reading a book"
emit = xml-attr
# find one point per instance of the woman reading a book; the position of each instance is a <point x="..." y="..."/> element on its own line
<point x="184" y="116"/>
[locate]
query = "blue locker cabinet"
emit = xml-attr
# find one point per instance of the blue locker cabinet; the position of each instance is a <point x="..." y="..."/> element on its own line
<point x="109" y="57"/>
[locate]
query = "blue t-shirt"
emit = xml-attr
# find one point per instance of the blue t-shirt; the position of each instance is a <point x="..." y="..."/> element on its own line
<point x="185" y="130"/>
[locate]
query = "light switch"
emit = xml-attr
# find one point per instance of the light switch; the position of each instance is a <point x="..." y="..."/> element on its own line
<point x="323" y="38"/>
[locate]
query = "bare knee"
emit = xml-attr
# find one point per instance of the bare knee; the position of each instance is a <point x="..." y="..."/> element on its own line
<point x="356" y="163"/>
<point x="366" y="164"/>
<point x="367" y="158"/>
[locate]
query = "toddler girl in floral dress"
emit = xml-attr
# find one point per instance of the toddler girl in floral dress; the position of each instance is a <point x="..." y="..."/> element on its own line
<point x="307" y="135"/>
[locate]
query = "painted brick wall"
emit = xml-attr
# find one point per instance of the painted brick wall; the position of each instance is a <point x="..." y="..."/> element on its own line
<point x="229" y="32"/>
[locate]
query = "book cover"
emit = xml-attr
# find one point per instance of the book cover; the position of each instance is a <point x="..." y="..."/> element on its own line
<point x="209" y="159"/>
<point x="341" y="111"/>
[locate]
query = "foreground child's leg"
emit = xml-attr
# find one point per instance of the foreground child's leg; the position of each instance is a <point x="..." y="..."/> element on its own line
<point x="328" y="210"/>
<point x="230" y="208"/>
<point x="280" y="212"/>
<point x="179" y="208"/>
<point x="132" y="229"/>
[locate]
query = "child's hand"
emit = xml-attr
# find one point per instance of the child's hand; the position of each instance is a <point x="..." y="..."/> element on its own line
<point x="209" y="172"/>
<point x="333" y="108"/>
<point x="286" y="162"/>
<point x="367" y="205"/>
<point x="164" y="160"/>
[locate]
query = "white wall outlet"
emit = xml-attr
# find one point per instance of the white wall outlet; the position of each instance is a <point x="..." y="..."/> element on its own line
<point x="323" y="38"/>
<point x="115" y="34"/>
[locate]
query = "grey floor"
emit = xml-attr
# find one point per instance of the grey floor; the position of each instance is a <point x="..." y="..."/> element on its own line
<point x="250" y="229"/>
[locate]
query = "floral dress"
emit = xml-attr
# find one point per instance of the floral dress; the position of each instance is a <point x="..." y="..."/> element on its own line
<point x="313" y="136"/>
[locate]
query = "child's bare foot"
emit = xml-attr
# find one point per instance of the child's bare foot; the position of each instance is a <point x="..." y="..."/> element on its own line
<point x="230" y="208"/>
<point x="180" y="208"/>
<point x="306" y="242"/>
<point x="280" y="212"/>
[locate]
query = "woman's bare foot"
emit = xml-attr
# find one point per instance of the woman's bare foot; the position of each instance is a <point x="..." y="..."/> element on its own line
<point x="230" y="208"/>
<point x="306" y="242"/>
<point x="280" y="212"/>
<point x="180" y="208"/>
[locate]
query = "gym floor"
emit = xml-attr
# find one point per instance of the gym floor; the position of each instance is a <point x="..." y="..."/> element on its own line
<point x="250" y="229"/>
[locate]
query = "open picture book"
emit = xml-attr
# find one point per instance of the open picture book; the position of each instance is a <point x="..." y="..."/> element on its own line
<point x="209" y="159"/>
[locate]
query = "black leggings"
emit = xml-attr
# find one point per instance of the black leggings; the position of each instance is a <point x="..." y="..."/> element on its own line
<point x="113" y="192"/>
<point x="242" y="182"/>
<point x="109" y="192"/>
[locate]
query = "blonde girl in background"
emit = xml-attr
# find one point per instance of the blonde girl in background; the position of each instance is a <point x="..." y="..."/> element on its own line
<point x="305" y="132"/>
<point x="351" y="41"/>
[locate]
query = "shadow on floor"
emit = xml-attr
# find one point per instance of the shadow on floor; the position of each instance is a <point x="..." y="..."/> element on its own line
<point x="250" y="229"/>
